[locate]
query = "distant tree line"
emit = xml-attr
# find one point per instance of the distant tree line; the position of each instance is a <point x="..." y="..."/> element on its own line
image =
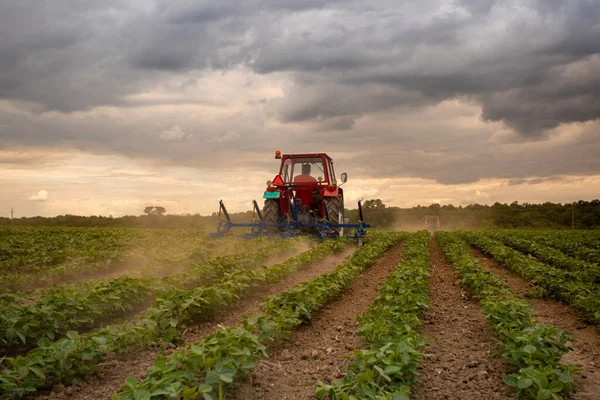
<point x="585" y="214"/>
<point x="153" y="217"/>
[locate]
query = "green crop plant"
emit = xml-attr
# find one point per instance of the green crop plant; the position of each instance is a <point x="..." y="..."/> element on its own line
<point x="568" y="286"/>
<point x="83" y="306"/>
<point x="583" y="245"/>
<point x="583" y="270"/>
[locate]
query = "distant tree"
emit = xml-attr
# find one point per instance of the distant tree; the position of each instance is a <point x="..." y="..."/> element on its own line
<point x="376" y="213"/>
<point x="155" y="210"/>
<point x="434" y="208"/>
<point x="373" y="204"/>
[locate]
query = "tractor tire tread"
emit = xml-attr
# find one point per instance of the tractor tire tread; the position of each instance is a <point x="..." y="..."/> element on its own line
<point x="271" y="211"/>
<point x="335" y="207"/>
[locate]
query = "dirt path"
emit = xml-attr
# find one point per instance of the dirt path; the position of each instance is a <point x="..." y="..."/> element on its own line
<point x="315" y="351"/>
<point x="586" y="349"/>
<point x="112" y="374"/>
<point x="462" y="361"/>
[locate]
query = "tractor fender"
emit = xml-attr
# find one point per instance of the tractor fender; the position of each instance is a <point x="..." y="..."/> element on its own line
<point x="271" y="194"/>
<point x="331" y="191"/>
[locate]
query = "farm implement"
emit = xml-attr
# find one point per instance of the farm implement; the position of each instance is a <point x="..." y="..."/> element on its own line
<point x="304" y="198"/>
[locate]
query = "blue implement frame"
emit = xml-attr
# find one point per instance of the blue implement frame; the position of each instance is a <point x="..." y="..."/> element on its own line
<point x="297" y="221"/>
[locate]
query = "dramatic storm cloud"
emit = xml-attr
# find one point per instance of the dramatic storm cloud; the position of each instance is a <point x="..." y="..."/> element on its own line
<point x="453" y="91"/>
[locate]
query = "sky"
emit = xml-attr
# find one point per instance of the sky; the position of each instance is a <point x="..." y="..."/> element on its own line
<point x="109" y="106"/>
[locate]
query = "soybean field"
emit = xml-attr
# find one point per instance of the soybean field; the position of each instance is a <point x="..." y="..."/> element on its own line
<point x="101" y="313"/>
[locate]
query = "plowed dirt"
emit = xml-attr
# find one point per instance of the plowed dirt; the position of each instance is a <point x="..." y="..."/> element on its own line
<point x="316" y="352"/>
<point x="586" y="348"/>
<point x="461" y="361"/>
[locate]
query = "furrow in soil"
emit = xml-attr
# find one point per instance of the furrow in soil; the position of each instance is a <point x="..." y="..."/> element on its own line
<point x="586" y="347"/>
<point x="111" y="377"/>
<point x="461" y="360"/>
<point x="316" y="352"/>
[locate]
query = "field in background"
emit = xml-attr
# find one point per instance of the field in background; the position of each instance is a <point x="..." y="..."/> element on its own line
<point x="88" y="312"/>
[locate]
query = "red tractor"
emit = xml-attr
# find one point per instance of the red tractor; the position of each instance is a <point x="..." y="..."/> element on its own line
<point x="304" y="197"/>
<point x="432" y="223"/>
<point x="310" y="179"/>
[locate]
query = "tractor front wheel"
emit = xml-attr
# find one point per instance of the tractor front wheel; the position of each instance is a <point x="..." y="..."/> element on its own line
<point x="335" y="208"/>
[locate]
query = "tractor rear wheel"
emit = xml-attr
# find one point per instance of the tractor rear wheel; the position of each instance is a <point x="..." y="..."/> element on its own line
<point x="271" y="213"/>
<point x="335" y="208"/>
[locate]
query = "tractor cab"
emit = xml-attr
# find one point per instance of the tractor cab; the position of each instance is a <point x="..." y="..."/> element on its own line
<point x="309" y="180"/>
<point x="307" y="170"/>
<point x="308" y="175"/>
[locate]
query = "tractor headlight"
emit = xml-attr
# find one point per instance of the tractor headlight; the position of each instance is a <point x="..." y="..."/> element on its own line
<point x="269" y="183"/>
<point x="334" y="182"/>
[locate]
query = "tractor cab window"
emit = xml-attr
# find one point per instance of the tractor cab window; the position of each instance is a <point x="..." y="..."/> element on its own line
<point x="303" y="170"/>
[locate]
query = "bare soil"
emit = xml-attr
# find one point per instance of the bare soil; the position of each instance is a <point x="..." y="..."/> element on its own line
<point x="112" y="374"/>
<point x="586" y="347"/>
<point x="462" y="360"/>
<point x="319" y="351"/>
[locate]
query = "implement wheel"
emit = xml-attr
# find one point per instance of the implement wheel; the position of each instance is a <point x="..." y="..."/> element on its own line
<point x="335" y="207"/>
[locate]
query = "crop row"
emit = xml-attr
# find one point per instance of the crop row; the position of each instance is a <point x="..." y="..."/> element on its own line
<point x="563" y="285"/>
<point x="535" y="350"/>
<point x="212" y="366"/>
<point x="83" y="306"/>
<point x="586" y="271"/>
<point x="390" y="329"/>
<point x="69" y="359"/>
<point x="24" y="248"/>
<point x="142" y="253"/>
<point x="584" y="245"/>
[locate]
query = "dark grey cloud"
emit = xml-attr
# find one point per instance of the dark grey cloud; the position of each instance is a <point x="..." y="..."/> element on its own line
<point x="74" y="55"/>
<point x="510" y="56"/>
<point x="533" y="181"/>
<point x="531" y="65"/>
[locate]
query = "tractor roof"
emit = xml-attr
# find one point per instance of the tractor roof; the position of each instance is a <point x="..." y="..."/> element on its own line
<point x="306" y="155"/>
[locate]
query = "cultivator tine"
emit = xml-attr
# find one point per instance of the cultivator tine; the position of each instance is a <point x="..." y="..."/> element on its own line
<point x="257" y="229"/>
<point x="256" y="209"/>
<point x="224" y="227"/>
<point x="224" y="211"/>
<point x="360" y="212"/>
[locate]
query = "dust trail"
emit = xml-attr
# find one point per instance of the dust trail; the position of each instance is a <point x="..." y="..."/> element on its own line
<point x="300" y="248"/>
